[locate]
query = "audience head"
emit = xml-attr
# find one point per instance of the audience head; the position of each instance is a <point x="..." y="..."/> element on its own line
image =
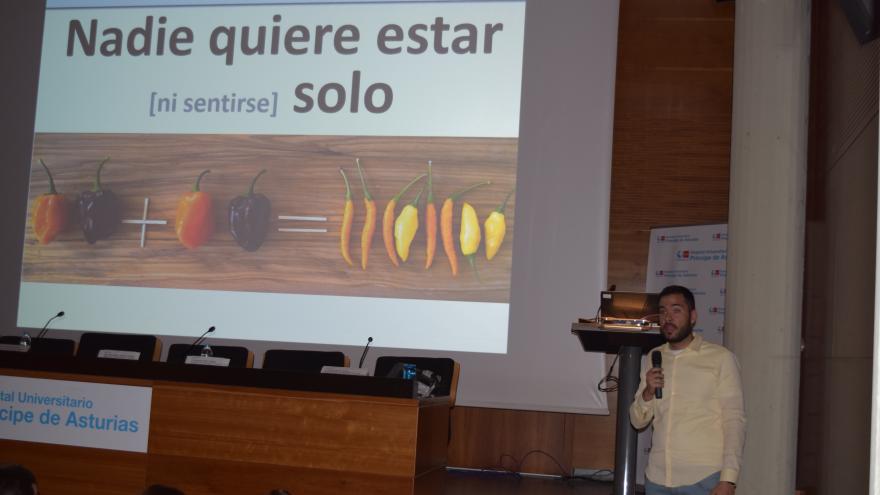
<point x="161" y="490"/>
<point x="17" y="480"/>
<point x="279" y="491"/>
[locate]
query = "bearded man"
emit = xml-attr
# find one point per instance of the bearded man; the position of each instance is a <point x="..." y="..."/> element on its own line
<point x="699" y="421"/>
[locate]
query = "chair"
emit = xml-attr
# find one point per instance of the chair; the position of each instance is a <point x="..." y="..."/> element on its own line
<point x="447" y="368"/>
<point x="92" y="343"/>
<point x="302" y="361"/>
<point x="44" y="346"/>
<point x="239" y="357"/>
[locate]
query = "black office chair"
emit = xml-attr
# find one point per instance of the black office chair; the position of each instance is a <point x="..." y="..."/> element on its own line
<point x="44" y="346"/>
<point x="302" y="361"/>
<point x="148" y="347"/>
<point x="239" y="357"/>
<point x="447" y="368"/>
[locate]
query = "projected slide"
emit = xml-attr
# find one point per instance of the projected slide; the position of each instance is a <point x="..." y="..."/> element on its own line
<point x="299" y="171"/>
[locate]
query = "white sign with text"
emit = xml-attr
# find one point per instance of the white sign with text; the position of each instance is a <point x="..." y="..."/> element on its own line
<point x="98" y="415"/>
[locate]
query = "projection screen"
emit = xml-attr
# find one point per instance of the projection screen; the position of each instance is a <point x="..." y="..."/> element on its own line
<point x="433" y="175"/>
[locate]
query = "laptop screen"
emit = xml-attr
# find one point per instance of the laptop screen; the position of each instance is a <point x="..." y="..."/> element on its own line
<point x="630" y="305"/>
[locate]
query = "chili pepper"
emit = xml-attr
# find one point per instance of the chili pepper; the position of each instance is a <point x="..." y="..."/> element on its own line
<point x="470" y="234"/>
<point x="496" y="227"/>
<point x="347" y="214"/>
<point x="194" y="222"/>
<point x="249" y="218"/>
<point x="430" y="223"/>
<point x="98" y="210"/>
<point x="388" y="221"/>
<point x="51" y="212"/>
<point x="369" y="219"/>
<point x="446" y="225"/>
<point x="406" y="226"/>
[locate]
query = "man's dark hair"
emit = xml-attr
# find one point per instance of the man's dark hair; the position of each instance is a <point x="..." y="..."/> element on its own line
<point x="16" y="480"/>
<point x="684" y="291"/>
<point x="161" y="490"/>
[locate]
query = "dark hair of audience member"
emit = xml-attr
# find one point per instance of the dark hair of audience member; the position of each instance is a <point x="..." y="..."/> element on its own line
<point x="279" y="491"/>
<point x="161" y="490"/>
<point x="17" y="480"/>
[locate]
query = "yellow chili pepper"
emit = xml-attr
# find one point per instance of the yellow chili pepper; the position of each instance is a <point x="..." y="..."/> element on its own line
<point x="388" y="221"/>
<point x="496" y="227"/>
<point x="406" y="226"/>
<point x="446" y="234"/>
<point x="469" y="236"/>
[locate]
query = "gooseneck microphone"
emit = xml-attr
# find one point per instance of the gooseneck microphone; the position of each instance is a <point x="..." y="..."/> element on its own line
<point x="364" y="354"/>
<point x="45" y="328"/>
<point x="197" y="341"/>
<point x="657" y="362"/>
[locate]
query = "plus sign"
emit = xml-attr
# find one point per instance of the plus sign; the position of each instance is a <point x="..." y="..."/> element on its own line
<point x="143" y="222"/>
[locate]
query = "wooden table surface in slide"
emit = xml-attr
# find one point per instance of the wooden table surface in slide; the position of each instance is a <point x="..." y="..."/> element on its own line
<point x="302" y="180"/>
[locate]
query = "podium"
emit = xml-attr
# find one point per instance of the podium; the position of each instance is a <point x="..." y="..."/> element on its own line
<point x="629" y="346"/>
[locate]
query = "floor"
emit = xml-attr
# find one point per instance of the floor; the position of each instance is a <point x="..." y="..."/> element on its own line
<point x="483" y="483"/>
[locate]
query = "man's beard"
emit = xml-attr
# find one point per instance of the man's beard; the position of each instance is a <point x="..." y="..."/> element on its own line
<point x="682" y="334"/>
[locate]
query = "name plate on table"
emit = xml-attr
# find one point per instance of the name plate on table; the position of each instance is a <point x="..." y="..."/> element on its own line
<point x="342" y="370"/>
<point x="115" y="354"/>
<point x="82" y="414"/>
<point x="14" y="348"/>
<point x="207" y="361"/>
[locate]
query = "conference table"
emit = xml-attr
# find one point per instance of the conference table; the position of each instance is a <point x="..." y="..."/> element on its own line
<point x="244" y="431"/>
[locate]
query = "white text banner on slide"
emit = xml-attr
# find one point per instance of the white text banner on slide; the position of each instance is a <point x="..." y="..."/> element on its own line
<point x="97" y="415"/>
<point x="310" y="319"/>
<point x="419" y="69"/>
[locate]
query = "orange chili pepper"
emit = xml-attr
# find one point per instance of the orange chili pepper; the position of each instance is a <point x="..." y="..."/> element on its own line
<point x="347" y="214"/>
<point x="446" y="225"/>
<point x="388" y="221"/>
<point x="51" y="212"/>
<point x="194" y="222"/>
<point x="369" y="220"/>
<point x="430" y="223"/>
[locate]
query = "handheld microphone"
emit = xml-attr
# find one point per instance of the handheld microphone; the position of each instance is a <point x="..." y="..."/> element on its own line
<point x="657" y="362"/>
<point x="364" y="355"/>
<point x="45" y="328"/>
<point x="197" y="341"/>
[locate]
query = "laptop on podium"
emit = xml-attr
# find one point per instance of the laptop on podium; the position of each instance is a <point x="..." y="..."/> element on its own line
<point x="633" y="311"/>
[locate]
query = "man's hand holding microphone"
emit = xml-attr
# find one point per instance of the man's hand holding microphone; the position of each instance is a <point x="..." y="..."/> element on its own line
<point x="654" y="378"/>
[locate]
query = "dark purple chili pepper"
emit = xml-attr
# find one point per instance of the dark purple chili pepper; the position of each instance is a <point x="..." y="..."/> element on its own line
<point x="249" y="218"/>
<point x="98" y="210"/>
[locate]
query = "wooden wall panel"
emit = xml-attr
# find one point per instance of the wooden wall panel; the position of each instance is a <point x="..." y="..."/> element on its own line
<point x="300" y="429"/>
<point x="78" y="471"/>
<point x="211" y="477"/>
<point x="670" y="166"/>
<point x="501" y="438"/>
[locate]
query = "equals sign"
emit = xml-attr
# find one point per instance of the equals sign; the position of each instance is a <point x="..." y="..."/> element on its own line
<point x="299" y="218"/>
